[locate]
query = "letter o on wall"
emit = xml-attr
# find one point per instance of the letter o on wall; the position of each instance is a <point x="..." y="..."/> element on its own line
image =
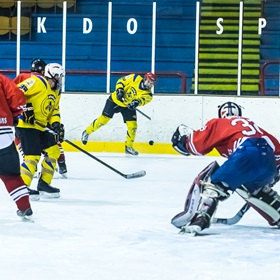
<point x="132" y="22"/>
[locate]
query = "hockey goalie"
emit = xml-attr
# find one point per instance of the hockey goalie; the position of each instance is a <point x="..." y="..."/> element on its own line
<point x="251" y="169"/>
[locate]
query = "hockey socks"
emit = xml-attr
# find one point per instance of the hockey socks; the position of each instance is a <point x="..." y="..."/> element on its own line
<point x="17" y="190"/>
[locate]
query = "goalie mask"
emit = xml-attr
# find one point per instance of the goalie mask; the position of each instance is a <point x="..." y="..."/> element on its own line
<point x="149" y="80"/>
<point x="54" y="72"/>
<point x="38" y="66"/>
<point x="229" y="109"/>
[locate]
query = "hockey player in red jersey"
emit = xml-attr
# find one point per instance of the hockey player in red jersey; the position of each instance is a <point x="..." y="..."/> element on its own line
<point x="253" y="156"/>
<point x="37" y="68"/>
<point x="12" y="103"/>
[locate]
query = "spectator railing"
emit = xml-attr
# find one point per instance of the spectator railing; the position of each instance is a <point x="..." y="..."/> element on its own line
<point x="180" y="75"/>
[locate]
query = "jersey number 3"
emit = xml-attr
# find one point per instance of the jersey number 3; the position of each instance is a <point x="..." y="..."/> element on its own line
<point x="250" y="127"/>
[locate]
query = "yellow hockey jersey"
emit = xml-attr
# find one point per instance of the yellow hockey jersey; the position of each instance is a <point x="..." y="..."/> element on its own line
<point x="45" y="102"/>
<point x="133" y="87"/>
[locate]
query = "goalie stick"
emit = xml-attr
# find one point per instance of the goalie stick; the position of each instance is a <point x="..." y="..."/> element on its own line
<point x="233" y="220"/>
<point x="126" y="176"/>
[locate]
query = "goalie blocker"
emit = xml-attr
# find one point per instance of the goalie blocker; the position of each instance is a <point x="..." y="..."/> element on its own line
<point x="265" y="201"/>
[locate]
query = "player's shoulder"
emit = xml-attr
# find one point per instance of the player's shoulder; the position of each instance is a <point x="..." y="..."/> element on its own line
<point x="228" y="119"/>
<point x="40" y="80"/>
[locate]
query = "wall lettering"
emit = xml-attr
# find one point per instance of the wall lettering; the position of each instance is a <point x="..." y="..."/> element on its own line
<point x="132" y="25"/>
<point x="262" y="24"/>
<point x="87" y="25"/>
<point x="132" y="22"/>
<point x="40" y="25"/>
<point x="219" y="20"/>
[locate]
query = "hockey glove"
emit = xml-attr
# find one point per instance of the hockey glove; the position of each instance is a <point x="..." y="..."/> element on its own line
<point x="58" y="128"/>
<point x="133" y="104"/>
<point x="120" y="94"/>
<point x="28" y="114"/>
<point x="15" y="121"/>
<point x="179" y="139"/>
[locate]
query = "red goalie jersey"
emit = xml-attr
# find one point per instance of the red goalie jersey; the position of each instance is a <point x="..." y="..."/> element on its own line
<point x="226" y="135"/>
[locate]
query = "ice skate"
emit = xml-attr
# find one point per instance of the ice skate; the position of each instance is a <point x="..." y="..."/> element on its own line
<point x="85" y="137"/>
<point x="26" y="215"/>
<point x="47" y="190"/>
<point x="130" y="151"/>
<point x="196" y="226"/>
<point x="33" y="194"/>
<point x="62" y="169"/>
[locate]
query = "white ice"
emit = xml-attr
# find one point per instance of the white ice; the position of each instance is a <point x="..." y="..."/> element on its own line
<point x="106" y="227"/>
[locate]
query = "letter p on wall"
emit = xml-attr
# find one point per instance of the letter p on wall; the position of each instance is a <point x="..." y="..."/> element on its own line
<point x="262" y="24"/>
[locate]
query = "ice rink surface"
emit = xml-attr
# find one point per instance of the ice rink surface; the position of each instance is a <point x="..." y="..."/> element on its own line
<point x="106" y="227"/>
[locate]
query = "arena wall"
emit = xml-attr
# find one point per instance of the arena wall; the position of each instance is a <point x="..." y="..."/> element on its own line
<point x="166" y="112"/>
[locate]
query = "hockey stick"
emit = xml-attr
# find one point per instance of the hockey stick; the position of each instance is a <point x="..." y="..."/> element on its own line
<point x="235" y="219"/>
<point x="143" y="114"/>
<point x="126" y="176"/>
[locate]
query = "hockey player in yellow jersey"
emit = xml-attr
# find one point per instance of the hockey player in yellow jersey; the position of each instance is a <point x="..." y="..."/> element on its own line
<point x="37" y="68"/>
<point x="42" y="98"/>
<point x="131" y="91"/>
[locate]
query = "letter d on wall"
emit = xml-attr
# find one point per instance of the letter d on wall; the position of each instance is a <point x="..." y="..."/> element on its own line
<point x="87" y="25"/>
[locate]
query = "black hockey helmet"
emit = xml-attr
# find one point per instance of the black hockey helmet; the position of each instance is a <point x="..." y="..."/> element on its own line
<point x="38" y="66"/>
<point x="229" y="109"/>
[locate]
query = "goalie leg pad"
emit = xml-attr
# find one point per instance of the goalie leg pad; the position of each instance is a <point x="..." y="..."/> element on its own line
<point x="191" y="206"/>
<point x="266" y="202"/>
<point x="193" y="199"/>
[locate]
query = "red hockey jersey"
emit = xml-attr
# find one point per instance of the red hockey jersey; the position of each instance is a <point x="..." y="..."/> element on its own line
<point x="12" y="101"/>
<point x="23" y="76"/>
<point x="227" y="134"/>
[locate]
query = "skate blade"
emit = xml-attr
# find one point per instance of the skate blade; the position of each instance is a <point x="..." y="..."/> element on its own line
<point x="131" y="156"/>
<point x="34" y="197"/>
<point x="58" y="175"/>
<point x="27" y="219"/>
<point x="190" y="230"/>
<point x="63" y="175"/>
<point x="49" y="195"/>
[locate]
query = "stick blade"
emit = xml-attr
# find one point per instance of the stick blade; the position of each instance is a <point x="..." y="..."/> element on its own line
<point x="135" y="175"/>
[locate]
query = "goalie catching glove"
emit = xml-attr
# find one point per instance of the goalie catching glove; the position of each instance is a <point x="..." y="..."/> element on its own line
<point x="133" y="104"/>
<point x="179" y="139"/>
<point x="58" y="128"/>
<point x="28" y="114"/>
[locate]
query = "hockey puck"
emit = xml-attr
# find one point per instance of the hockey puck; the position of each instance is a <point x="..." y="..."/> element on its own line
<point x="151" y="142"/>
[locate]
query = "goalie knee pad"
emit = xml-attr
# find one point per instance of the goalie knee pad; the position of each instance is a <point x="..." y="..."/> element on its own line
<point x="266" y="202"/>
